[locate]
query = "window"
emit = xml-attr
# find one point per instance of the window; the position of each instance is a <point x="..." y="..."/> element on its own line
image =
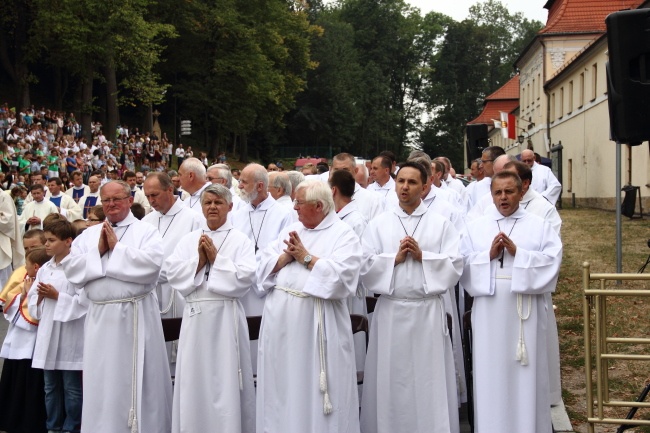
<point x="594" y="81"/>
<point x="534" y="90"/>
<point x="570" y="177"/>
<point x="539" y="83"/>
<point x="581" y="91"/>
<point x="527" y="94"/>
<point x="570" y="97"/>
<point x="553" y="106"/>
<point x="561" y="110"/>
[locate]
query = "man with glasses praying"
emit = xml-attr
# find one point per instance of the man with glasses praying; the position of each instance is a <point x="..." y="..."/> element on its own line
<point x="126" y="373"/>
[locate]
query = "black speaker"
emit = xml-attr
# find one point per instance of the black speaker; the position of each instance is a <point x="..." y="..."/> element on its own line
<point x="628" y="75"/>
<point x="477" y="136"/>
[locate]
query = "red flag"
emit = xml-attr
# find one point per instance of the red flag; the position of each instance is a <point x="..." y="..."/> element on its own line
<point x="508" y="129"/>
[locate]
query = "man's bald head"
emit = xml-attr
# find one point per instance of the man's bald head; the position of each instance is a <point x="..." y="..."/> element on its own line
<point x="501" y="161"/>
<point x="528" y="157"/>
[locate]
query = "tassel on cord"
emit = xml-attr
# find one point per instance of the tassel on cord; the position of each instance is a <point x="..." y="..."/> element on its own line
<point x="522" y="352"/>
<point x="327" y="404"/>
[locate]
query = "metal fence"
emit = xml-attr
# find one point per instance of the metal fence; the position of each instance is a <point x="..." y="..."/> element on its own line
<point x="598" y="353"/>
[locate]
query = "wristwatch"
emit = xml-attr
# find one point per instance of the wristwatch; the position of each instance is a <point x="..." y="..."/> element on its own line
<point x="306" y="261"/>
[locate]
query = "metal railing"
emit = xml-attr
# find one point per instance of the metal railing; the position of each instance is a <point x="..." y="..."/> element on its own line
<point x="596" y="299"/>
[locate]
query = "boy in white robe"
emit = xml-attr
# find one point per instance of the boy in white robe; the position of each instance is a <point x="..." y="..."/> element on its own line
<point x="61" y="310"/>
<point x="511" y="260"/>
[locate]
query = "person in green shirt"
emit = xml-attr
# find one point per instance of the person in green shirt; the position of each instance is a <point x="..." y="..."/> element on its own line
<point x="24" y="163"/>
<point x="53" y="164"/>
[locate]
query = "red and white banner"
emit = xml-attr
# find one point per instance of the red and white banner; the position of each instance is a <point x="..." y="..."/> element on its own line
<point x="508" y="125"/>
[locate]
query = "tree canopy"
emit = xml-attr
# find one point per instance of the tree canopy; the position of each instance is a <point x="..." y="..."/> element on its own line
<point x="263" y="78"/>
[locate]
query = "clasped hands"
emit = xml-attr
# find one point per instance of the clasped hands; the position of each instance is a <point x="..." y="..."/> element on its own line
<point x="500" y="242"/>
<point x="407" y="246"/>
<point x="295" y="250"/>
<point x="207" y="251"/>
<point x="107" y="238"/>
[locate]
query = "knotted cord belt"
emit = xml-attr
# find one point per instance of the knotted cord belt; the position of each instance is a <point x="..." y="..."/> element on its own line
<point x="133" y="416"/>
<point x="327" y="404"/>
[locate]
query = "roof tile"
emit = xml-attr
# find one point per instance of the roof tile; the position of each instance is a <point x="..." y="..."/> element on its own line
<point x="583" y="16"/>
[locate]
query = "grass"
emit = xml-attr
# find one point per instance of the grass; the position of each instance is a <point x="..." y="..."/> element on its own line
<point x="589" y="235"/>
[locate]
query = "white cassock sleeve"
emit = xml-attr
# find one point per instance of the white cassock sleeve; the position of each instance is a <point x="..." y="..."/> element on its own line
<point x="35" y="310"/>
<point x="442" y="268"/>
<point x="477" y="269"/>
<point x="535" y="272"/>
<point x="336" y="275"/>
<point x="71" y="307"/>
<point x="233" y="273"/>
<point x="132" y="264"/>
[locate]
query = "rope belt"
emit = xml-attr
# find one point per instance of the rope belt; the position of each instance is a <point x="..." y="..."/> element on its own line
<point x="133" y="417"/>
<point x="443" y="315"/>
<point x="327" y="404"/>
<point x="521" y="354"/>
<point x="236" y="323"/>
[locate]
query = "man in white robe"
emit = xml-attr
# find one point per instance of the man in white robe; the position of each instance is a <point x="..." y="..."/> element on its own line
<point x="280" y="188"/>
<point x="12" y="254"/>
<point x="212" y="268"/>
<point x="173" y="221"/>
<point x="307" y="376"/>
<point x="137" y="193"/>
<point x="411" y="258"/>
<point x="79" y="189"/>
<point x="36" y="210"/>
<point x="221" y="174"/>
<point x="127" y="384"/>
<point x="193" y="181"/>
<point x="482" y="187"/>
<point x="380" y="170"/>
<point x="511" y="260"/>
<point x="92" y="198"/>
<point x="65" y="204"/>
<point x="544" y="181"/>
<point x="261" y="218"/>
<point x="369" y="203"/>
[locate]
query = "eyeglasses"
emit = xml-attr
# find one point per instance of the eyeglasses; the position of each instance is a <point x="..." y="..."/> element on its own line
<point x="210" y="179"/>
<point x="114" y="200"/>
<point x="302" y="203"/>
<point x="486" y="160"/>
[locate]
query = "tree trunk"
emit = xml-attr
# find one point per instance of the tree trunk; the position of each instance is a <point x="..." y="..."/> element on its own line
<point x="243" y="154"/>
<point x="87" y="104"/>
<point x="112" y="112"/>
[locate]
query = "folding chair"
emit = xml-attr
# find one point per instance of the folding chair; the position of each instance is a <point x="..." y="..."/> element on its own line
<point x="359" y="323"/>
<point x="171" y="328"/>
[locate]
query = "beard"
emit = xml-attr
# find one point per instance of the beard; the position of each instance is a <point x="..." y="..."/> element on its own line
<point x="249" y="197"/>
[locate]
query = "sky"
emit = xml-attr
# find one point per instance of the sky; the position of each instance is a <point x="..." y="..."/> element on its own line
<point x="459" y="9"/>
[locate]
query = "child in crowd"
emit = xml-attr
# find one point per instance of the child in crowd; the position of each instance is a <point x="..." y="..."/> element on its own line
<point x="61" y="309"/>
<point x="21" y="386"/>
<point x="19" y="194"/>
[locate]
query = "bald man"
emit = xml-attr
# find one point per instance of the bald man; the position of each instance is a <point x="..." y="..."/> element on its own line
<point x="544" y="181"/>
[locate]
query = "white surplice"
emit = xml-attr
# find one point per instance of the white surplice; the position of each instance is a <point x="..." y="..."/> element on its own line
<point x="172" y="226"/>
<point x="69" y="208"/>
<point x="410" y="377"/>
<point x="509" y="313"/>
<point x="60" y="335"/>
<point x="294" y="349"/>
<point x="39" y="209"/>
<point x="369" y="203"/>
<point x="214" y="380"/>
<point x="21" y="335"/>
<point x="545" y="183"/>
<point x="122" y="325"/>
<point x="261" y="225"/>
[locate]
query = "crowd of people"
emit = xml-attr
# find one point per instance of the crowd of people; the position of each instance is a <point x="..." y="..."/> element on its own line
<point x="111" y="255"/>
